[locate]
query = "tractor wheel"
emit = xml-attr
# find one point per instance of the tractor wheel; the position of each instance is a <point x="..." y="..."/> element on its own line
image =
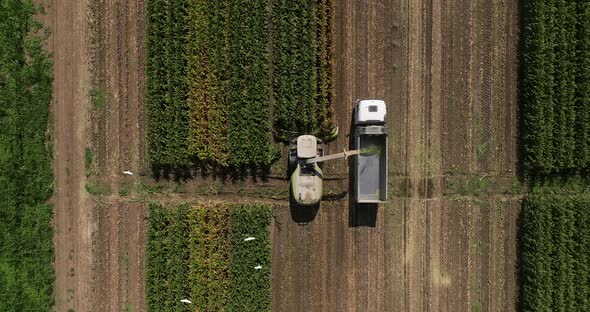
<point x="292" y="159"/>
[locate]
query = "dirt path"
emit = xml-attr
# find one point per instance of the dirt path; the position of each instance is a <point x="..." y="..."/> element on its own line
<point x="72" y="230"/>
<point x="119" y="143"/>
<point x="99" y="248"/>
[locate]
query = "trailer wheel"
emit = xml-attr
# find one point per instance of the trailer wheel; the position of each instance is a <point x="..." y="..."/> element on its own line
<point x="292" y="160"/>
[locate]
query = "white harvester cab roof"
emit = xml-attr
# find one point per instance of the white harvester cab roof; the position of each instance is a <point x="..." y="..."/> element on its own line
<point x="307" y="146"/>
<point x="370" y="112"/>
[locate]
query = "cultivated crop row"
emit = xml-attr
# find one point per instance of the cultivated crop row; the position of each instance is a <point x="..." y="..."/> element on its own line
<point x="249" y="260"/>
<point x="206" y="254"/>
<point x="583" y="85"/>
<point x="303" y="88"/>
<point x="248" y="89"/>
<point x="555" y="253"/>
<point x="294" y="61"/>
<point x="26" y="247"/>
<point x="167" y="90"/>
<point x="556" y="68"/>
<point x="208" y="64"/>
<point x="198" y="102"/>
<point x="324" y="110"/>
<point x="209" y="257"/>
<point x="209" y="78"/>
<point x="167" y="258"/>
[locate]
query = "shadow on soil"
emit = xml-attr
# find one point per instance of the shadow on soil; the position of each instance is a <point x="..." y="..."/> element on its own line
<point x="302" y="214"/>
<point x="362" y="215"/>
<point x="204" y="170"/>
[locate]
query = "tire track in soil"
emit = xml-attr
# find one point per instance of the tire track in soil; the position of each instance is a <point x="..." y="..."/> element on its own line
<point x="136" y="239"/>
<point x="456" y="150"/>
<point x="121" y="227"/>
<point x="509" y="59"/>
<point x="456" y="247"/>
<point x="357" y="238"/>
<point x="485" y="156"/>
<point x="426" y="61"/>
<point x="434" y="275"/>
<point x="71" y="219"/>
<point x="110" y="244"/>
<point x="136" y="232"/>
<point x="394" y="241"/>
<point x="510" y="253"/>
<point x="375" y="84"/>
<point x="414" y="253"/>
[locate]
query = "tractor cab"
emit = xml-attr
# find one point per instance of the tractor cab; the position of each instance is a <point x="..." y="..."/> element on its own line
<point x="306" y="177"/>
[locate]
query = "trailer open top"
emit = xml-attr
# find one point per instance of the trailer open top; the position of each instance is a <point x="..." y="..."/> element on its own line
<point x="371" y="139"/>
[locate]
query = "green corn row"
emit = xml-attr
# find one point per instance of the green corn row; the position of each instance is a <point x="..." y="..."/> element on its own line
<point x="583" y="85"/>
<point x="565" y="88"/>
<point x="200" y="254"/>
<point x="294" y="61"/>
<point x="556" y="104"/>
<point x="26" y="177"/>
<point x="250" y="288"/>
<point x="167" y="258"/>
<point x="167" y="88"/>
<point x="209" y="260"/>
<point x="248" y="89"/>
<point x="208" y="65"/>
<point x="303" y="87"/>
<point x="554" y="253"/>
<point x="208" y="78"/>
<point x="324" y="111"/>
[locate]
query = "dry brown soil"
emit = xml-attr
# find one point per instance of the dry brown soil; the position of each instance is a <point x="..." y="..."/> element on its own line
<point x="99" y="241"/>
<point x="117" y="141"/>
<point x="71" y="220"/>
<point x="446" y="239"/>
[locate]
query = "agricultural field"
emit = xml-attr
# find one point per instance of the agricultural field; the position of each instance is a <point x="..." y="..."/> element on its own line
<point x="195" y="98"/>
<point x="206" y="253"/>
<point x="554" y="243"/>
<point x="27" y="276"/>
<point x="555" y="253"/>
<point x="555" y="87"/>
<point x="214" y="77"/>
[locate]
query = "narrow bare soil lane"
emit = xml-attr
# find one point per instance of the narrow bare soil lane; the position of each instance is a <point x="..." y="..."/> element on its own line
<point x="68" y="24"/>
<point x="99" y="242"/>
<point x="120" y="239"/>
